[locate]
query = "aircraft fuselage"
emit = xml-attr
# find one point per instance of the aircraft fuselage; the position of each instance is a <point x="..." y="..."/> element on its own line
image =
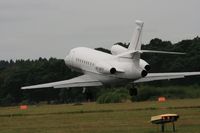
<point x="105" y="67"/>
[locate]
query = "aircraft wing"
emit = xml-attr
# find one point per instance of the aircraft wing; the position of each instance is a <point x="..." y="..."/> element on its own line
<point x="81" y="81"/>
<point x="165" y="76"/>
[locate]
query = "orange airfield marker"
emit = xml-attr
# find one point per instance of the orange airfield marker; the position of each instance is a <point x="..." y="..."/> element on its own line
<point x="161" y="99"/>
<point x="23" y="107"/>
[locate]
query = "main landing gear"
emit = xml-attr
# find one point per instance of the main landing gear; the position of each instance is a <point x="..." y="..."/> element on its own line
<point x="132" y="90"/>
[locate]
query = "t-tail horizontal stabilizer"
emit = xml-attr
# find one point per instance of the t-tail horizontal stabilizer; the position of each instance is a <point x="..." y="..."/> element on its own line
<point x="160" y="52"/>
<point x="148" y="51"/>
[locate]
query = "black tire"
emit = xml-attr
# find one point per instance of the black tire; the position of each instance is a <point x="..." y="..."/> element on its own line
<point x="133" y="91"/>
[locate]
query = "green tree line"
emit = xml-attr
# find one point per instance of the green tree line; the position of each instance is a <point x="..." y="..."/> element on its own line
<point x="14" y="74"/>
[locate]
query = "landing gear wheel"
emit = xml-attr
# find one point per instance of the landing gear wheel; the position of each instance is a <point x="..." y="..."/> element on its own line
<point x="133" y="91"/>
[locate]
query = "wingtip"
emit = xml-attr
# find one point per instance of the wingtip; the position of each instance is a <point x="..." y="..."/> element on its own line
<point x="23" y="88"/>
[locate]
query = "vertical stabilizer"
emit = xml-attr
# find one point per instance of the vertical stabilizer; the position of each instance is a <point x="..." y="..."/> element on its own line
<point x="135" y="43"/>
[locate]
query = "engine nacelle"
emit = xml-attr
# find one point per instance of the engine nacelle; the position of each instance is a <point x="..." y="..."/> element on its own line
<point x="105" y="68"/>
<point x="117" y="49"/>
<point x="144" y="65"/>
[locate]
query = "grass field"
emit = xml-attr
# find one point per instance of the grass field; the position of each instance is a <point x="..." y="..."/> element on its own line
<point x="100" y="118"/>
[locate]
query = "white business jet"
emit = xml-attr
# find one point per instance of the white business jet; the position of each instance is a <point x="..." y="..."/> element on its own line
<point x="122" y="67"/>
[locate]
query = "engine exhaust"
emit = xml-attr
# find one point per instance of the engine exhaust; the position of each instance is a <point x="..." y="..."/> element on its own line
<point x="144" y="73"/>
<point x="113" y="70"/>
<point x="147" y="67"/>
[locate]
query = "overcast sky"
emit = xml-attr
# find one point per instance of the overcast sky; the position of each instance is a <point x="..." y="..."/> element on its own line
<point x="50" y="28"/>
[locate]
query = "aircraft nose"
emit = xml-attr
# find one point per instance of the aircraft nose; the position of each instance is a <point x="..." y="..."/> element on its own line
<point x="67" y="60"/>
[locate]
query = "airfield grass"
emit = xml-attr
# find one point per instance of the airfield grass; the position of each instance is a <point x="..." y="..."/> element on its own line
<point x="100" y="118"/>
